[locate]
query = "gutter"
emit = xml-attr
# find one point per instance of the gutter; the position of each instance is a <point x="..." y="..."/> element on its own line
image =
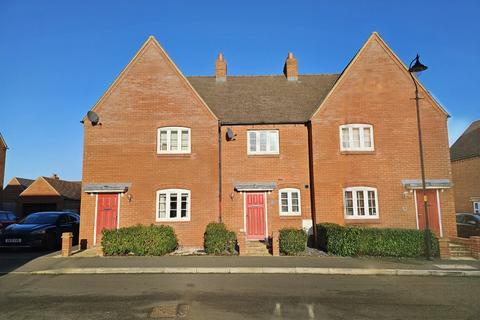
<point x="312" y="183"/>
<point x="219" y="171"/>
<point x="225" y="123"/>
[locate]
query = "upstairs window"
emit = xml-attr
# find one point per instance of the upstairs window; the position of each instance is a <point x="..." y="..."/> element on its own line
<point x="289" y="202"/>
<point x="173" y="205"/>
<point x="360" y="203"/>
<point x="263" y="142"/>
<point x="173" y="140"/>
<point x="356" y="137"/>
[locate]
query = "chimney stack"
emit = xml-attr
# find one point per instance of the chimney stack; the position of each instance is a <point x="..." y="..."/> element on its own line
<point x="221" y="69"/>
<point x="291" y="68"/>
<point x="55" y="176"/>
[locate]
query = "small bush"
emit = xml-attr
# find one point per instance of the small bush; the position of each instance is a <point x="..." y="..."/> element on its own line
<point x="292" y="241"/>
<point x="218" y="240"/>
<point x="139" y="240"/>
<point x="384" y="242"/>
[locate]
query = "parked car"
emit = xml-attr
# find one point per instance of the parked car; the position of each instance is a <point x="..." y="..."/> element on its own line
<point x="41" y="229"/>
<point x="7" y="218"/>
<point x="468" y="225"/>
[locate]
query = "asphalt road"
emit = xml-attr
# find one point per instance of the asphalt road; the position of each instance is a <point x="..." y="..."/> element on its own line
<point x="237" y="297"/>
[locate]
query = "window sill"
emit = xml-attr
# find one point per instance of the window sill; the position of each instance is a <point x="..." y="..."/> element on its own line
<point x="359" y="152"/>
<point x="283" y="216"/>
<point x="363" y="221"/>
<point x="172" y="220"/>
<point x="174" y="155"/>
<point x="265" y="155"/>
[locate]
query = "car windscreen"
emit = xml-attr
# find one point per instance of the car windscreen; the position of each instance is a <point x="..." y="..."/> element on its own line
<point x="5" y="216"/>
<point x="43" y="218"/>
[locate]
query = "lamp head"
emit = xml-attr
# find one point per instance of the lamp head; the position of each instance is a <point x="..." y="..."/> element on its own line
<point x="417" y="66"/>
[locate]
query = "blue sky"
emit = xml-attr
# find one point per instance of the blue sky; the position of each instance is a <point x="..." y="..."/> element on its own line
<point x="58" y="57"/>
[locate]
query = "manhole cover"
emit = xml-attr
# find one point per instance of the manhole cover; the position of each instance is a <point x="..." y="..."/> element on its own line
<point x="164" y="311"/>
<point x="169" y="311"/>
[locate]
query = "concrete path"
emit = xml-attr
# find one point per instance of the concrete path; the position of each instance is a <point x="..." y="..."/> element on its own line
<point x="51" y="263"/>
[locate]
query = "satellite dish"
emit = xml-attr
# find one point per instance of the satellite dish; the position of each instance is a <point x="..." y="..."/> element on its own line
<point x="93" y="118"/>
<point x="230" y="135"/>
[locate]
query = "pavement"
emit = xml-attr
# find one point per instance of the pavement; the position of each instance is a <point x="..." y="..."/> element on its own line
<point x="50" y="263"/>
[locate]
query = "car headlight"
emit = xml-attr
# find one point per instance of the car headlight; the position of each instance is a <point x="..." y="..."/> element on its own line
<point x="39" y="232"/>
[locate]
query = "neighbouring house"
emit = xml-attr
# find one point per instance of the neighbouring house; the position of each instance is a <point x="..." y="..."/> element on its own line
<point x="261" y="153"/>
<point x="465" y="156"/>
<point x="12" y="192"/>
<point x="3" y="156"/>
<point x="50" y="194"/>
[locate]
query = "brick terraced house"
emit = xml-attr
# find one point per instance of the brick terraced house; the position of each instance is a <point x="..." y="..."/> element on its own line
<point x="261" y="153"/>
<point x="465" y="155"/>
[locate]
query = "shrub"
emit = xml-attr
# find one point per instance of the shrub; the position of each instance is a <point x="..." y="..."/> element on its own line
<point x="384" y="242"/>
<point x="139" y="240"/>
<point x="292" y="241"/>
<point x="219" y="240"/>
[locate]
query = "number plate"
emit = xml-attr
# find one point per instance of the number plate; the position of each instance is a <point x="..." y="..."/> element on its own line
<point x="13" y="240"/>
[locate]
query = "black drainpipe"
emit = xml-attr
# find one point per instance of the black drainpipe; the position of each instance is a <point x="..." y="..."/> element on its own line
<point x="219" y="172"/>
<point x="312" y="184"/>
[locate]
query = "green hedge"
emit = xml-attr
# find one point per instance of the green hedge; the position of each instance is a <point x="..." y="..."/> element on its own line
<point x="292" y="241"/>
<point x="383" y="242"/>
<point x="139" y="240"/>
<point x="218" y="240"/>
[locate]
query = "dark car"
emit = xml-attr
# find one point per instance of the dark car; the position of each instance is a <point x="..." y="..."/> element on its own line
<point x="41" y="229"/>
<point x="468" y="225"/>
<point x="7" y="218"/>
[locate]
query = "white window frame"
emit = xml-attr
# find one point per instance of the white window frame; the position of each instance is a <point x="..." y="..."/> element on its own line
<point x="179" y="140"/>
<point x="355" y="204"/>
<point x="361" y="128"/>
<point x="477" y="205"/>
<point x="168" y="192"/>
<point x="257" y="137"/>
<point x="289" y="192"/>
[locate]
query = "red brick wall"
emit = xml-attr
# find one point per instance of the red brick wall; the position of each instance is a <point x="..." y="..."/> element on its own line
<point x="466" y="177"/>
<point x="149" y="95"/>
<point x="288" y="169"/>
<point x="10" y="195"/>
<point x="375" y="90"/>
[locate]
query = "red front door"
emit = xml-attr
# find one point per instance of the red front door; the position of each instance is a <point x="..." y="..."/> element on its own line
<point x="255" y="205"/>
<point x="433" y="210"/>
<point x="107" y="212"/>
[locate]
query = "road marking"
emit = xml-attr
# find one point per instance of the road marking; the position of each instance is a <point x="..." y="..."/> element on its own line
<point x="311" y="311"/>
<point x="278" y="310"/>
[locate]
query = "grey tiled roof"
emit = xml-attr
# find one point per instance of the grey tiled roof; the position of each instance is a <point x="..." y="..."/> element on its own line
<point x="468" y="145"/>
<point x="24" y="182"/>
<point x="67" y="189"/>
<point x="264" y="99"/>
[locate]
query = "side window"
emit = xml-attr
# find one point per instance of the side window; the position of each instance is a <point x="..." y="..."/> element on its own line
<point x="460" y="218"/>
<point x="173" y="140"/>
<point x="356" y="137"/>
<point x="289" y="202"/>
<point x="470" y="220"/>
<point x="63" y="219"/>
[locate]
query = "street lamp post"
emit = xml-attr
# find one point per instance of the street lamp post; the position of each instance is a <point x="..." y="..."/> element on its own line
<point x="414" y="68"/>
